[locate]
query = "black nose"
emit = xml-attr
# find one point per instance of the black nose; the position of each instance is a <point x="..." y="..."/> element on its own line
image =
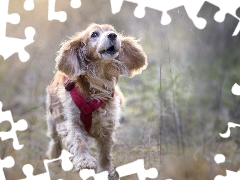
<point x="112" y="36"/>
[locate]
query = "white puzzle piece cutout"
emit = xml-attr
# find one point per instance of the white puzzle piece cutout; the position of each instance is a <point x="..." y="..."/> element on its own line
<point x="66" y="165"/>
<point x="6" y="46"/>
<point x="192" y="8"/>
<point x="7" y="162"/>
<point x="137" y="167"/>
<point x="20" y="125"/>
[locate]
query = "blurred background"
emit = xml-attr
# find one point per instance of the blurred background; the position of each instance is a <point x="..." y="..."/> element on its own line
<point x="175" y="109"/>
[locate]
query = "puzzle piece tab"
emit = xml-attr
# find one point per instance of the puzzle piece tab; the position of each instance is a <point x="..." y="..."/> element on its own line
<point x="87" y="173"/>
<point x="164" y="7"/>
<point x="60" y="15"/>
<point x="191" y="7"/>
<point x="230" y="175"/>
<point x="219" y="158"/>
<point x="236" y="89"/>
<point x="52" y="14"/>
<point x="226" y="8"/>
<point x="137" y="167"/>
<point x="28" y="171"/>
<point x="66" y="166"/>
<point x="28" y="5"/>
<point x="9" y="46"/>
<point x="209" y="11"/>
<point x="8" y="162"/>
<point x="20" y="125"/>
<point x="227" y="133"/>
<point x="75" y="3"/>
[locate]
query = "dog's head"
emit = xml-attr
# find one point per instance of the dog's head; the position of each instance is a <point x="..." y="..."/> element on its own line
<point x="97" y="45"/>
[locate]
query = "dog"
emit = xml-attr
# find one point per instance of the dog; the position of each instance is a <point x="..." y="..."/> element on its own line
<point x="88" y="67"/>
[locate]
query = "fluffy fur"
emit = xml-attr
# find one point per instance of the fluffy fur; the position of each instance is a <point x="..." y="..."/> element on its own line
<point x="93" y="59"/>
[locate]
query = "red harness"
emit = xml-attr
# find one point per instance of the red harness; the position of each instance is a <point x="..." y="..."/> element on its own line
<point x="86" y="106"/>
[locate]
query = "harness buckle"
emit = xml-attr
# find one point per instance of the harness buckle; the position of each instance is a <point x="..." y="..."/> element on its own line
<point x="68" y="85"/>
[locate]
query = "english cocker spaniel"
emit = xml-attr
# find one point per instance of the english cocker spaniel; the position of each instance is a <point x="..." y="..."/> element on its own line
<point x="83" y="99"/>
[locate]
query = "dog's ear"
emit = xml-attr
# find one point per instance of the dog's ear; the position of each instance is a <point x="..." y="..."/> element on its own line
<point x="72" y="56"/>
<point x="132" y="55"/>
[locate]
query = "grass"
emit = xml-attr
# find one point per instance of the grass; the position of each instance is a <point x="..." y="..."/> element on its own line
<point x="192" y="165"/>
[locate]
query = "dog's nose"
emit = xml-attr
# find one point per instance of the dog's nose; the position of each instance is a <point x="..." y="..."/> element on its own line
<point x="112" y="36"/>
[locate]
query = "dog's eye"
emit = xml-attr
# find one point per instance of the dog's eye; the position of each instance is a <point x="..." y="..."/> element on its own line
<point x="95" y="34"/>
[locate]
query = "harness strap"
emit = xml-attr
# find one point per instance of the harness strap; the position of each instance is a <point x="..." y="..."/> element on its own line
<point x="86" y="107"/>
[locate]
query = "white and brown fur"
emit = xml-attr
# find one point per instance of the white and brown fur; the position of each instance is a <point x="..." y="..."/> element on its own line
<point x="104" y="55"/>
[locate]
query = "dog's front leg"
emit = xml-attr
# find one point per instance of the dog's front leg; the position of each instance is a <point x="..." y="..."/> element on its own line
<point x="105" y="144"/>
<point x="75" y="141"/>
<point x="55" y="145"/>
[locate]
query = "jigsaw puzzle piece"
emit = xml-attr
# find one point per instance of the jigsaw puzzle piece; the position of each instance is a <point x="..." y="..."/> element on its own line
<point x="66" y="163"/>
<point x="6" y="46"/>
<point x="116" y="5"/>
<point x="20" y="125"/>
<point x="230" y="175"/>
<point x="87" y="173"/>
<point x="181" y="13"/>
<point x="191" y="8"/>
<point x="208" y="12"/>
<point x="141" y="6"/>
<point x="5" y="17"/>
<point x="137" y="167"/>
<point x="52" y="14"/>
<point x="181" y="19"/>
<point x="7" y="162"/>
<point x="153" y="14"/>
<point x="165" y="7"/>
<point x="66" y="166"/>
<point x="7" y="49"/>
<point x="228" y="132"/>
<point x="127" y="5"/>
<point x="28" y="171"/>
<point x="139" y="11"/>
<point x="225" y="9"/>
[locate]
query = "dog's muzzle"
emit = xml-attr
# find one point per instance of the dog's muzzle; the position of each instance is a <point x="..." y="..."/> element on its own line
<point x="112" y="36"/>
<point x="110" y="47"/>
<point x="111" y="51"/>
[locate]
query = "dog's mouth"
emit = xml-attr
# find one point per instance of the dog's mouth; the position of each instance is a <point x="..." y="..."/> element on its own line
<point x="111" y="51"/>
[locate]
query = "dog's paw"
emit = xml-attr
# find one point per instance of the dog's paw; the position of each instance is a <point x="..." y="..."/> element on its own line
<point x="113" y="175"/>
<point x="84" y="161"/>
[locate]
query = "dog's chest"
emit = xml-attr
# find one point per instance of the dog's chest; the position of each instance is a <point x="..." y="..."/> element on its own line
<point x="106" y="117"/>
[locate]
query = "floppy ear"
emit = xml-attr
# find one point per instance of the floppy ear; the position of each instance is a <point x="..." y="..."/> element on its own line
<point x="132" y="55"/>
<point x="71" y="58"/>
